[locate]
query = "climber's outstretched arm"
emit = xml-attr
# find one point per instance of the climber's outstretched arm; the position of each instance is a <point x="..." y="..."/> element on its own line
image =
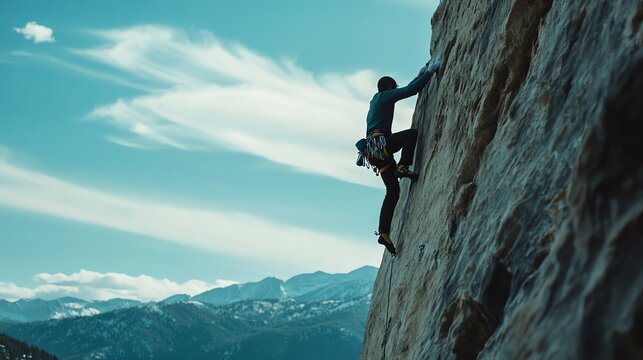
<point x="414" y="86"/>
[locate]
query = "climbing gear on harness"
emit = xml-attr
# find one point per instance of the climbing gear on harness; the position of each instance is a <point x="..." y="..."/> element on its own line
<point x="404" y="171"/>
<point x="362" y="159"/>
<point x="372" y="152"/>
<point x="385" y="240"/>
<point x="376" y="146"/>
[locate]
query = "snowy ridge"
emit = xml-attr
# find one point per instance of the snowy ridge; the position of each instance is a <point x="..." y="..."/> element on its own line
<point x="317" y="286"/>
<point x="28" y="310"/>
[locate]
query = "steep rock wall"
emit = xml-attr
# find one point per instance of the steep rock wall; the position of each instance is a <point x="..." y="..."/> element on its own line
<point x="523" y="237"/>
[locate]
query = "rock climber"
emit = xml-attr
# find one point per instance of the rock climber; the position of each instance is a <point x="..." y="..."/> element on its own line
<point x="381" y="143"/>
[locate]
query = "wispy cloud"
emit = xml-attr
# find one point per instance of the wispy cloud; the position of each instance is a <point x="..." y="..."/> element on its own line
<point x="91" y="285"/>
<point x="211" y="93"/>
<point x="36" y="32"/>
<point x="217" y="231"/>
<point x="79" y="69"/>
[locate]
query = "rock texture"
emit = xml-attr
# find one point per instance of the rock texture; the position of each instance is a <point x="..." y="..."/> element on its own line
<point x="523" y="237"/>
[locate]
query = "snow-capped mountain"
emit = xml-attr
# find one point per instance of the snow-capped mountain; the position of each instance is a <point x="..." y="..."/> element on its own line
<point x="355" y="284"/>
<point x="316" y="314"/>
<point x="268" y="288"/>
<point x="317" y="286"/>
<point x="28" y="310"/>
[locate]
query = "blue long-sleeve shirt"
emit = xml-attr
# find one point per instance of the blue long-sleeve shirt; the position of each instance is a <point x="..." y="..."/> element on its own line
<point x="380" y="113"/>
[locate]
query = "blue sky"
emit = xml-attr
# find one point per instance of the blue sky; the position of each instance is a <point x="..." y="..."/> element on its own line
<point x="170" y="146"/>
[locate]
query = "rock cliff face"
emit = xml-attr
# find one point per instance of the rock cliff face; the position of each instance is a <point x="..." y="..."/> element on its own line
<point x="523" y="238"/>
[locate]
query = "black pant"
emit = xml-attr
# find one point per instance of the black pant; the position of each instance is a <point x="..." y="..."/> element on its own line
<point x="404" y="140"/>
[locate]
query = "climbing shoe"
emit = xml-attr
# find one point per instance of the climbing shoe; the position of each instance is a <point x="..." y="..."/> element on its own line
<point x="404" y="171"/>
<point x="385" y="240"/>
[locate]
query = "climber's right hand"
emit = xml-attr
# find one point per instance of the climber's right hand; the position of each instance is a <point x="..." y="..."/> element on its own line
<point x="434" y="67"/>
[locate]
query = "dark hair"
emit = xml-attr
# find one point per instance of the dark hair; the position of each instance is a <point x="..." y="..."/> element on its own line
<point x="386" y="83"/>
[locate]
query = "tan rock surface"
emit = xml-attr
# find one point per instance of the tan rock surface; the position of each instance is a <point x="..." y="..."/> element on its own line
<point x="522" y="239"/>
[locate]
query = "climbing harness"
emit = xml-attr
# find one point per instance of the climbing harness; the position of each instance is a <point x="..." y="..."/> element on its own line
<point x="376" y="146"/>
<point x="372" y="152"/>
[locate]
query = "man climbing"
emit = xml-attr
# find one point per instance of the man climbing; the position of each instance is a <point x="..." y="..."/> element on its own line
<point x="381" y="143"/>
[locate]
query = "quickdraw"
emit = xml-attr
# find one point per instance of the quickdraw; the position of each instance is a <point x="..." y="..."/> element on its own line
<point x="376" y="146"/>
<point x="372" y="153"/>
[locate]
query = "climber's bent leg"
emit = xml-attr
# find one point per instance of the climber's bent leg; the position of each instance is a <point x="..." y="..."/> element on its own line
<point x="406" y="141"/>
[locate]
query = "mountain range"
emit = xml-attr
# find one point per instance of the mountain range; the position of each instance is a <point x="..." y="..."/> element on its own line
<point x="313" y="316"/>
<point x="28" y="310"/>
<point x="318" y="286"/>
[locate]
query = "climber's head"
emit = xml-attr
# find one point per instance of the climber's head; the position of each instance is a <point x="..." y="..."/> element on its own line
<point x="386" y="83"/>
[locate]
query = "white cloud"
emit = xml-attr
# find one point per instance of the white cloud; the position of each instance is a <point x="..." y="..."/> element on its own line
<point x="90" y="285"/>
<point x="36" y="32"/>
<point x="11" y="291"/>
<point x="126" y="143"/>
<point x="217" y="231"/>
<point x="212" y="94"/>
